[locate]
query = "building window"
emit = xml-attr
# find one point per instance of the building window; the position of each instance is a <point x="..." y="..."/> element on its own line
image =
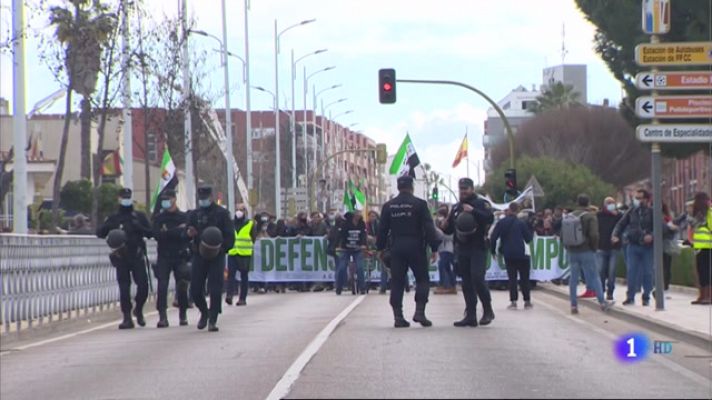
<point x="151" y="147"/>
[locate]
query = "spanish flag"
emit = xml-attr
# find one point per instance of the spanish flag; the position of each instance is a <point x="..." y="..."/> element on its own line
<point x="461" y="153"/>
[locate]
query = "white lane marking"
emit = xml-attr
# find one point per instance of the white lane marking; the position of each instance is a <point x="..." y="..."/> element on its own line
<point x="697" y="378"/>
<point x="283" y="387"/>
<point x="68" y="336"/>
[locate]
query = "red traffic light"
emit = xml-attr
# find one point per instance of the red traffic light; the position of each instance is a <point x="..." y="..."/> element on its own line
<point x="387" y="85"/>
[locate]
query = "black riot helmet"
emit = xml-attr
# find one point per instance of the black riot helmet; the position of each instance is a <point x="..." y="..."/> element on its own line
<point x="116" y="239"/>
<point x="465" y="224"/>
<point x="210" y="243"/>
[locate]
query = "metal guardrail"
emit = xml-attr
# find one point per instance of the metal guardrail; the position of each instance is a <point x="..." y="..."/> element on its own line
<point x="48" y="277"/>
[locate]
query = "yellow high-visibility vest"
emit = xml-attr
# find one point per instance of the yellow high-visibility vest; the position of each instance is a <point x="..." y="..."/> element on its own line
<point x="243" y="241"/>
<point x="702" y="236"/>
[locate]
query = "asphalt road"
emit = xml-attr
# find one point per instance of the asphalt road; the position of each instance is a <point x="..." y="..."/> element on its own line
<point x="543" y="353"/>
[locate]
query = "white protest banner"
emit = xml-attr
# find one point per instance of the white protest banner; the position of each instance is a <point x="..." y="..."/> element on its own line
<point x="305" y="260"/>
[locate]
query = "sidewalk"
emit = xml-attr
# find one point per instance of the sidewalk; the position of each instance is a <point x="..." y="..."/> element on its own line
<point x="679" y="318"/>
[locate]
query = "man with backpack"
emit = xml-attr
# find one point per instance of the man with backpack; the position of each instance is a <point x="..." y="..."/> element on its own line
<point x="579" y="235"/>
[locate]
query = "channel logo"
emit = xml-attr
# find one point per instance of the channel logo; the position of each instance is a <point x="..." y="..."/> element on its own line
<point x="635" y="347"/>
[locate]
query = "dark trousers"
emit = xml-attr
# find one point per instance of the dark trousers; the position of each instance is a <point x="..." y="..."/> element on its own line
<point x="212" y="271"/>
<point x="234" y="264"/>
<point x="472" y="267"/>
<point x="667" y="270"/>
<point x="181" y="275"/>
<point x="704" y="267"/>
<point x="522" y="267"/>
<point x="125" y="269"/>
<point x="401" y="259"/>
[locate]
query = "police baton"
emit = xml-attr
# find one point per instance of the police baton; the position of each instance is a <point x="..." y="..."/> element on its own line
<point x="147" y="263"/>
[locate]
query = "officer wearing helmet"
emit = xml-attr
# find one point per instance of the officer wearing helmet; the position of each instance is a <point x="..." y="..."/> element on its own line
<point x="213" y="233"/>
<point x="407" y="228"/>
<point x="469" y="221"/>
<point x="169" y="229"/>
<point x="125" y="232"/>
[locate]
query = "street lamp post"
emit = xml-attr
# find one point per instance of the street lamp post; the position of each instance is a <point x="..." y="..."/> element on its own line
<point x="329" y="128"/>
<point x="323" y="125"/>
<point x="248" y="111"/>
<point x="340" y="135"/>
<point x="278" y="173"/>
<point x="294" y="120"/>
<point x="228" y="111"/>
<point x="306" y="130"/>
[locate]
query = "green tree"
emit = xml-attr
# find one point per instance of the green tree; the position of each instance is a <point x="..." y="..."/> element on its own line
<point x="108" y="193"/>
<point x="76" y="196"/>
<point x="618" y="31"/>
<point x="82" y="29"/>
<point x="556" y="97"/>
<point x="561" y="181"/>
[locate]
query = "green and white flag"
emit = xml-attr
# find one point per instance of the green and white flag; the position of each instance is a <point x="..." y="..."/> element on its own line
<point x="405" y="160"/>
<point x="358" y="199"/>
<point x="169" y="180"/>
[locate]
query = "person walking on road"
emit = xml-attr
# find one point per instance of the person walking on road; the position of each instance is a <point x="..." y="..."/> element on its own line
<point x="608" y="252"/>
<point x="240" y="256"/>
<point x="514" y="235"/>
<point x="169" y="230"/>
<point x="637" y="223"/>
<point x="406" y="221"/>
<point x="352" y="244"/>
<point x="213" y="233"/>
<point x="702" y="243"/>
<point x="579" y="234"/>
<point x="446" y="257"/>
<point x="125" y="232"/>
<point x="469" y="221"/>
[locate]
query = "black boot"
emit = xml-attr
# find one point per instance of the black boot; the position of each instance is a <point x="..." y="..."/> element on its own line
<point x="139" y="317"/>
<point x="182" y="317"/>
<point x="212" y="325"/>
<point x="400" y="321"/>
<point x="127" y="322"/>
<point x="203" y="320"/>
<point x="419" y="315"/>
<point x="469" y="320"/>
<point x="162" y="319"/>
<point x="488" y="316"/>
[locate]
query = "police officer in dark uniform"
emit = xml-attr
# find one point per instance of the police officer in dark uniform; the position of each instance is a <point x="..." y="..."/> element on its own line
<point x="213" y="233"/>
<point x="129" y="260"/>
<point x="407" y="220"/>
<point x="169" y="229"/>
<point x="469" y="221"/>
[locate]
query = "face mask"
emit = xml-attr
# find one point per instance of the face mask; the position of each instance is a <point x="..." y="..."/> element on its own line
<point x="166" y="204"/>
<point x="126" y="202"/>
<point x="636" y="203"/>
<point x="332" y="217"/>
<point x="204" y="203"/>
<point x="611" y="207"/>
<point x="239" y="214"/>
<point x="264" y="219"/>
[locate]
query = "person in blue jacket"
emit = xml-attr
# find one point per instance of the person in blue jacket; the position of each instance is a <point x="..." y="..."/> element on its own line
<point x="514" y="235"/>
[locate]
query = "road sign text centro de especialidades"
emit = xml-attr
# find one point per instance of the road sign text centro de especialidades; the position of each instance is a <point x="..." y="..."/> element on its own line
<point x="679" y="133"/>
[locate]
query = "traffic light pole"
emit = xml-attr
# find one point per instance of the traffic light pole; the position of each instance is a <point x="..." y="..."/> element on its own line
<point x="510" y="135"/>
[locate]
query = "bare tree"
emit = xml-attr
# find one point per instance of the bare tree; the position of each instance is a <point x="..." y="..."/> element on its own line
<point x="597" y="137"/>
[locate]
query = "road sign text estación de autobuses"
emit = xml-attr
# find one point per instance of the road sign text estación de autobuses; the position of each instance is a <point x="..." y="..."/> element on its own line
<point x="681" y="53"/>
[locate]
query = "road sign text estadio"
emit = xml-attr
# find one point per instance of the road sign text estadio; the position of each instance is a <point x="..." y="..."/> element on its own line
<point x="674" y="80"/>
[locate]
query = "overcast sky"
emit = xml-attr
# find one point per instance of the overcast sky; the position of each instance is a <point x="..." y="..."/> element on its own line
<point x="492" y="45"/>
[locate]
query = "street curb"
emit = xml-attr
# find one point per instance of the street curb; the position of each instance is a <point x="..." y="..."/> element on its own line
<point x="674" y="331"/>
